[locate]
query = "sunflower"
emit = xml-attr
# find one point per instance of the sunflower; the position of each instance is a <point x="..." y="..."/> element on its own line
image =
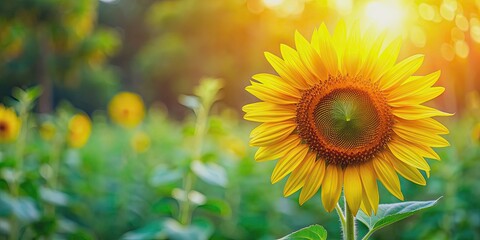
<point x="126" y="109"/>
<point x="476" y="133"/>
<point x="9" y="124"/>
<point x="341" y="113"/>
<point x="79" y="129"/>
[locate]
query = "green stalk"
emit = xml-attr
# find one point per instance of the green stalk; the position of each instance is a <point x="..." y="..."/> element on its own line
<point x="189" y="180"/>
<point x="349" y="233"/>
<point x="340" y="216"/>
<point x="15" y="185"/>
<point x="185" y="211"/>
<point x="55" y="163"/>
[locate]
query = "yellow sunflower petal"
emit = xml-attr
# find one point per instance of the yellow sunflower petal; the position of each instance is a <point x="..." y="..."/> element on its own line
<point x="425" y="151"/>
<point x="292" y="58"/>
<point x="313" y="181"/>
<point x="425" y="125"/>
<point x="415" y="112"/>
<point x="420" y="137"/>
<point x="352" y="188"/>
<point x="267" y="94"/>
<point x="423" y="97"/>
<point x="284" y="71"/>
<point x="271" y="133"/>
<point x="276" y="83"/>
<point x="407" y="155"/>
<point x="386" y="59"/>
<point x="413" y="85"/>
<point x="332" y="186"/>
<point x="352" y="58"/>
<point x="277" y="150"/>
<point x="372" y="57"/>
<point x="365" y="205"/>
<point x="387" y="175"/>
<point x="268" y="112"/>
<point x="370" y="188"/>
<point x="400" y="72"/>
<point x="298" y="176"/>
<point x="289" y="162"/>
<point x="339" y="38"/>
<point x="326" y="49"/>
<point x="407" y="171"/>
<point x="311" y="59"/>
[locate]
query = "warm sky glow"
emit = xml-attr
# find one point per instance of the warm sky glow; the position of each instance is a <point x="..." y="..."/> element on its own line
<point x="385" y="14"/>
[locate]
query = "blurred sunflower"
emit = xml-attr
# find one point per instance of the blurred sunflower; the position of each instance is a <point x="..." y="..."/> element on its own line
<point x="476" y="133"/>
<point x="343" y="113"/>
<point x="79" y="129"/>
<point x="9" y="124"/>
<point x="127" y="109"/>
<point x="140" y="142"/>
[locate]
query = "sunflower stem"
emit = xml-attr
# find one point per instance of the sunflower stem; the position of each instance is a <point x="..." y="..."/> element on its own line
<point x="349" y="232"/>
<point x="340" y="216"/>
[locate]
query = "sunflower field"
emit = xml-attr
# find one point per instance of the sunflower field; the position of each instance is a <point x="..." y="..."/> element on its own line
<point x="239" y="119"/>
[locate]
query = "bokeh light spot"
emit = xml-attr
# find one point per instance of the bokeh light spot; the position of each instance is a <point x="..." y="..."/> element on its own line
<point x="448" y="53"/>
<point x="457" y="34"/>
<point x="343" y="7"/>
<point x="475" y="29"/>
<point x="426" y="11"/>
<point x="461" y="49"/>
<point x="447" y="9"/>
<point x="461" y="22"/>
<point x="385" y="14"/>
<point x="418" y="37"/>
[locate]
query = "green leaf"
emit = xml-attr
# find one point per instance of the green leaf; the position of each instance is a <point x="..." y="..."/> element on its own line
<point x="24" y="208"/>
<point x="199" y="229"/>
<point x="154" y="230"/>
<point x="191" y="102"/>
<point x="217" y="206"/>
<point x="210" y="172"/>
<point x="391" y="213"/>
<point x="53" y="196"/>
<point x="163" y="175"/>
<point x="313" y="232"/>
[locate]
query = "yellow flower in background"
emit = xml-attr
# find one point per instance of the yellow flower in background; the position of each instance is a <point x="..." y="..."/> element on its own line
<point x="9" y="124"/>
<point x="127" y="109"/>
<point x="341" y="114"/>
<point x="476" y="133"/>
<point x="47" y="131"/>
<point x="140" y="142"/>
<point x="79" y="129"/>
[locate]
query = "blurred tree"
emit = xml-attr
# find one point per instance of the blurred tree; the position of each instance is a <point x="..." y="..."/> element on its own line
<point x="173" y="44"/>
<point x="52" y="43"/>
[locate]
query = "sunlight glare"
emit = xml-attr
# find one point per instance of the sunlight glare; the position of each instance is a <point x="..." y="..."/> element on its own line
<point x="384" y="14"/>
<point x="344" y="7"/>
<point x="272" y="3"/>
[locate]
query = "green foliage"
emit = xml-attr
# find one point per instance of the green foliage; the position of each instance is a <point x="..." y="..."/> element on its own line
<point x="109" y="192"/>
<point x="390" y="213"/>
<point x="53" y="43"/>
<point x="314" y="232"/>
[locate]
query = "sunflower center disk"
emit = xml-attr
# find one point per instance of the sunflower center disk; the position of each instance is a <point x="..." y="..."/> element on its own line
<point x="3" y="127"/>
<point x="346" y="118"/>
<point x="346" y="121"/>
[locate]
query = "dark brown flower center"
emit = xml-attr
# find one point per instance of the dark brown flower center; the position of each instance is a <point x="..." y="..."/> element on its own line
<point x="345" y="120"/>
<point x="3" y="126"/>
